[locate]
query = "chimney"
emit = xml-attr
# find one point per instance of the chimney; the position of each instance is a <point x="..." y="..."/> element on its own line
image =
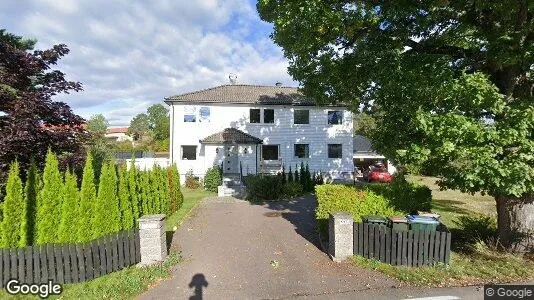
<point x="233" y="78"/>
<point x="278" y="83"/>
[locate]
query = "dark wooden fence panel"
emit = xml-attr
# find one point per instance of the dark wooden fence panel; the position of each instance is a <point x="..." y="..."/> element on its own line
<point x="70" y="263"/>
<point x="402" y="248"/>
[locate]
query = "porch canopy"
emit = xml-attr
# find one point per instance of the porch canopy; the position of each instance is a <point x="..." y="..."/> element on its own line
<point x="231" y="136"/>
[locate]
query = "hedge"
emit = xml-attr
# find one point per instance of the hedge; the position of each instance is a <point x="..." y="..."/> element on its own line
<point x="404" y="196"/>
<point x="64" y="213"/>
<point x="341" y="198"/>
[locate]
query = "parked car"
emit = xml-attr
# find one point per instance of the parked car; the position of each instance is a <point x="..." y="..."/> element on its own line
<point x="377" y="173"/>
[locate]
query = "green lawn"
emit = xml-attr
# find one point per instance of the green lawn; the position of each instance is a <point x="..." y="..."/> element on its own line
<point x="130" y="282"/>
<point x="472" y="261"/>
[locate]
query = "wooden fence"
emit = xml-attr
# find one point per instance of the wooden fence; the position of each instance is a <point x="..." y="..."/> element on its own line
<point x="70" y="263"/>
<point x="402" y="248"/>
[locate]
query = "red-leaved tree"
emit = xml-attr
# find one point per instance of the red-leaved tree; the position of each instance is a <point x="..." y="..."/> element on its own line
<point x="30" y="122"/>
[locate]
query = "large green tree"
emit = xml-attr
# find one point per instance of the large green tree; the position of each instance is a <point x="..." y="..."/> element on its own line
<point x="450" y="83"/>
<point x="99" y="145"/>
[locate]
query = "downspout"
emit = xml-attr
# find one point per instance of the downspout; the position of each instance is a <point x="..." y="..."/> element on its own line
<point x="171" y="137"/>
<point x="256" y="159"/>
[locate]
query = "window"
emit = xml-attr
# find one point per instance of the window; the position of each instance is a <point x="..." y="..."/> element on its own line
<point x="335" y="117"/>
<point x="334" y="151"/>
<point x="268" y="116"/>
<point x="302" y="150"/>
<point x="301" y="116"/>
<point x="189" y="152"/>
<point x="204" y="114"/>
<point x="190" y="114"/>
<point x="269" y="152"/>
<point x="254" y="115"/>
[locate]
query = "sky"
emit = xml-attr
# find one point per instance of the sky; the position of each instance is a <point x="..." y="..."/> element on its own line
<point x="131" y="54"/>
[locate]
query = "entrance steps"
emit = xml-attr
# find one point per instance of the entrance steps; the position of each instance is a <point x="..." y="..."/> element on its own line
<point x="232" y="186"/>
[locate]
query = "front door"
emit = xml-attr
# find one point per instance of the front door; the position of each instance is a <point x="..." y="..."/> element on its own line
<point x="231" y="159"/>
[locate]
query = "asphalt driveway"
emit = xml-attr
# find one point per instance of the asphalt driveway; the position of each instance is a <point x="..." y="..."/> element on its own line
<point x="236" y="250"/>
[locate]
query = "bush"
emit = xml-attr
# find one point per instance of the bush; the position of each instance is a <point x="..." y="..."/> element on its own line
<point x="86" y="202"/>
<point x="404" y="196"/>
<point x="31" y="189"/>
<point x="263" y="187"/>
<point x="175" y="194"/>
<point x="14" y="222"/>
<point x="106" y="207"/>
<point x="335" y="198"/>
<point x="474" y="229"/>
<point x="213" y="179"/>
<point x="48" y="202"/>
<point x="191" y="181"/>
<point x="69" y="195"/>
<point x="293" y="189"/>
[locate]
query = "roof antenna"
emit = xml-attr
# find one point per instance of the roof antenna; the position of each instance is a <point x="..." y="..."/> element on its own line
<point x="233" y="78"/>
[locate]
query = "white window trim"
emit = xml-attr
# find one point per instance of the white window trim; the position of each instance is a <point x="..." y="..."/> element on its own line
<point x="261" y="154"/>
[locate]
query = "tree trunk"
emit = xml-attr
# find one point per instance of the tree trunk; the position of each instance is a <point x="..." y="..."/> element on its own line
<point x="515" y="216"/>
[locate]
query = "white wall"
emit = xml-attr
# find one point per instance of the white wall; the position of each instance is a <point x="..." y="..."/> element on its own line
<point x="318" y="133"/>
<point x="147" y="163"/>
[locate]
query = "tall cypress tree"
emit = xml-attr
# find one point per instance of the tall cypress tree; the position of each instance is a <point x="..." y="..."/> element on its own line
<point x="133" y="191"/>
<point x="69" y="209"/>
<point x="106" y="218"/>
<point x="13" y="223"/>
<point x="175" y="196"/>
<point x="87" y="201"/>
<point x="48" y="202"/>
<point x="290" y="175"/>
<point x="145" y="192"/>
<point x="125" y="204"/>
<point x="31" y="189"/>
<point x="296" y="179"/>
<point x="302" y="178"/>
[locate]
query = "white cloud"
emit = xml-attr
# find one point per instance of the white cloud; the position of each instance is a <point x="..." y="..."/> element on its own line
<point x="131" y="54"/>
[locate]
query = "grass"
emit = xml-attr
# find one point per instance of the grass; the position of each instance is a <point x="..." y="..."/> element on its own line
<point x="132" y="281"/>
<point x="472" y="260"/>
<point x="191" y="199"/>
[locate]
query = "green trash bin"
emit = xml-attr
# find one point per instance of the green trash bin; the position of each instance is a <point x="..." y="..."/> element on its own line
<point x="399" y="223"/>
<point x="420" y="223"/>
<point x="375" y="220"/>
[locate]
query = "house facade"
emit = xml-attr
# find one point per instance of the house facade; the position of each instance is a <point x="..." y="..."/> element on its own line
<point x="250" y="129"/>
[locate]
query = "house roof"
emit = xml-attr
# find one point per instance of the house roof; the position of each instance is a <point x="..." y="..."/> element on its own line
<point x="362" y="145"/>
<point x="245" y="94"/>
<point x="231" y="136"/>
<point x="117" y="130"/>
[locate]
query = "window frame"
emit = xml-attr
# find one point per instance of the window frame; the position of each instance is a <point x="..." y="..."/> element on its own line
<point x="329" y="153"/>
<point x="263" y="114"/>
<point x="307" y="151"/>
<point x="295" y="116"/>
<point x="250" y="115"/>
<point x="182" y="152"/>
<point x="340" y="119"/>
<point x="277" y="151"/>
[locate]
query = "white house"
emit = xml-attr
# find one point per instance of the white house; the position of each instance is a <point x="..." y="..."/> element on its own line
<point x="250" y="129"/>
<point x="118" y="134"/>
<point x="364" y="155"/>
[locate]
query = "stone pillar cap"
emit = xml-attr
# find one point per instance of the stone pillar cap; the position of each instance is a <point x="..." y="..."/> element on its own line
<point x="341" y="215"/>
<point x="151" y="218"/>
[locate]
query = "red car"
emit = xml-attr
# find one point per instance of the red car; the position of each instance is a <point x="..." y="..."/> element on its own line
<point x="378" y="174"/>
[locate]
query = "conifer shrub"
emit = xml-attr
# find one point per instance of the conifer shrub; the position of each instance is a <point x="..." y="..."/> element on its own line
<point x="133" y="190"/>
<point x="87" y="201"/>
<point x="106" y="209"/>
<point x="175" y="193"/>
<point x="31" y="189"/>
<point x="48" y="202"/>
<point x="213" y="179"/>
<point x="125" y="203"/>
<point x="69" y="210"/>
<point x="191" y="181"/>
<point x="13" y="222"/>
